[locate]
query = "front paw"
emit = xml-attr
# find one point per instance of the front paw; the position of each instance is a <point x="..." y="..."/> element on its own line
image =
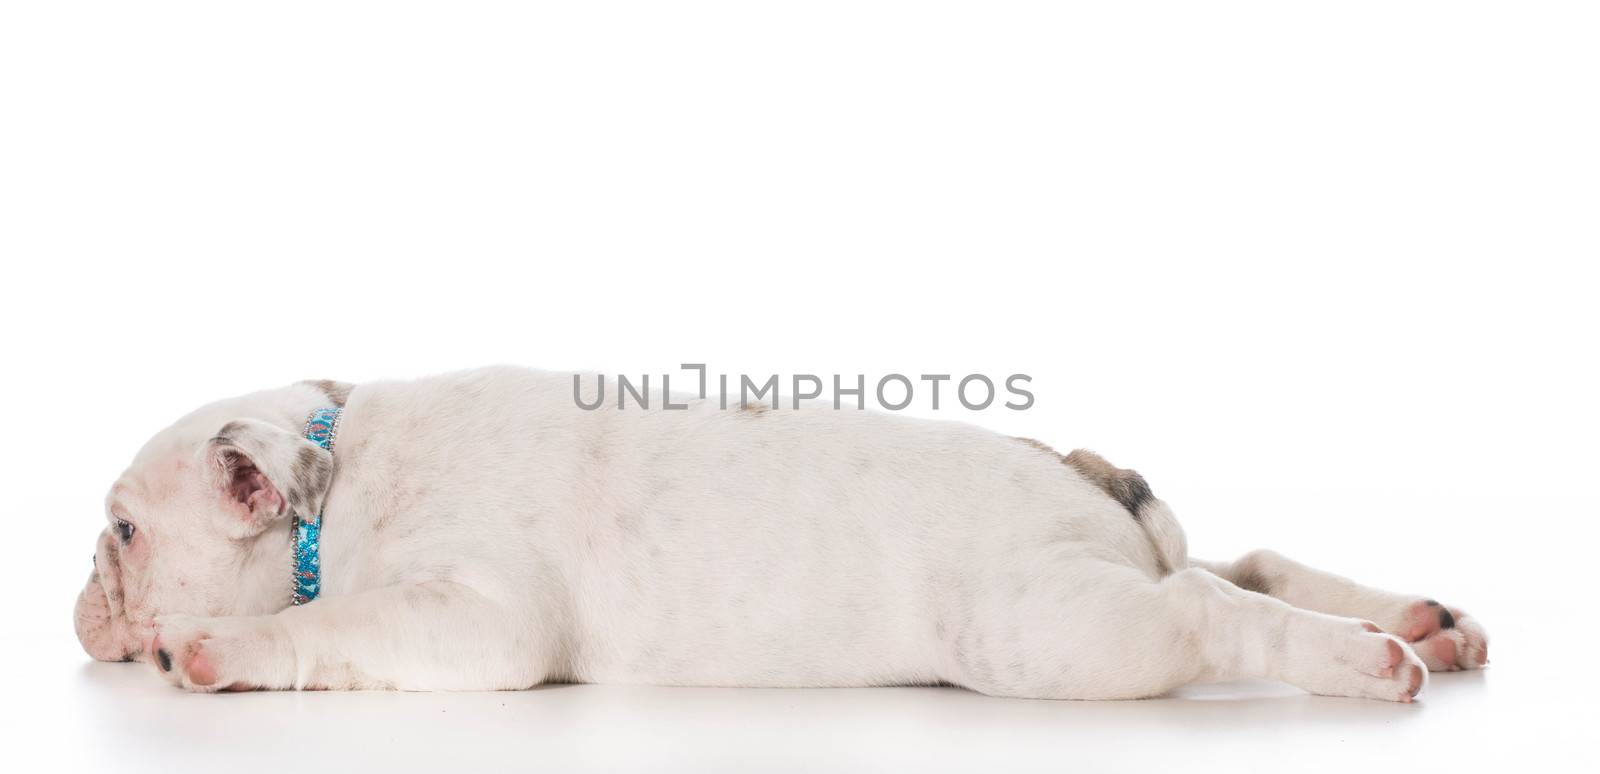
<point x="211" y="654"/>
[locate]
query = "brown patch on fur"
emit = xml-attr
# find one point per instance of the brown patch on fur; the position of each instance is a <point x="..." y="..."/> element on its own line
<point x="1125" y="486"/>
<point x="337" y="392"/>
<point x="312" y="473"/>
<point x="1250" y="580"/>
<point x="754" y="409"/>
<point x="228" y="431"/>
<point x="1041" y="446"/>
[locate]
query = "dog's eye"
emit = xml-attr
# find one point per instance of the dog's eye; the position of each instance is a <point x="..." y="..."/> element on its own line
<point x="124" y="531"/>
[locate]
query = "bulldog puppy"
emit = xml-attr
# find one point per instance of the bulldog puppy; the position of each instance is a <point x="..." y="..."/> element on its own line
<point x="479" y="531"/>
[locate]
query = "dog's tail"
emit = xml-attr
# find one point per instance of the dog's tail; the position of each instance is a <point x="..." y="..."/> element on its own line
<point x="1161" y="526"/>
<point x="1129" y="488"/>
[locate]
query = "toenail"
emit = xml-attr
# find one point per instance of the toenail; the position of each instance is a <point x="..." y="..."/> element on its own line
<point x="165" y="659"/>
<point x="1446" y="621"/>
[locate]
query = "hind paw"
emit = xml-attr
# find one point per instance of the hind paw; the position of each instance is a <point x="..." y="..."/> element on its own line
<point x="1445" y="638"/>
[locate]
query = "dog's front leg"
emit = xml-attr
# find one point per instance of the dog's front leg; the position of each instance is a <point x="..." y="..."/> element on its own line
<point x="428" y="636"/>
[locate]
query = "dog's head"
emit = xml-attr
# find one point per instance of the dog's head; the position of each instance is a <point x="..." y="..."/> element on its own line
<point x="199" y="523"/>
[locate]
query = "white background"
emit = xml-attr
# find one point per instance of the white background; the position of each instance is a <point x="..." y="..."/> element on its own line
<point x="1322" y="272"/>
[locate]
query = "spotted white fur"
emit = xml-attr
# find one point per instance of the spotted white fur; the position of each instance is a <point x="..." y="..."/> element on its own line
<point x="482" y="532"/>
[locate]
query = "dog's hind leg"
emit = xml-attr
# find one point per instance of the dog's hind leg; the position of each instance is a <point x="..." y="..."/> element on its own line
<point x="1086" y="628"/>
<point x="1446" y="638"/>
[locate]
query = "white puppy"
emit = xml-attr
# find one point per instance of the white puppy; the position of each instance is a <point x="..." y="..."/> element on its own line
<point x="480" y="531"/>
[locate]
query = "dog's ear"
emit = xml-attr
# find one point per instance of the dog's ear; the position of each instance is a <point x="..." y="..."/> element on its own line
<point x="265" y="473"/>
<point x="336" y="392"/>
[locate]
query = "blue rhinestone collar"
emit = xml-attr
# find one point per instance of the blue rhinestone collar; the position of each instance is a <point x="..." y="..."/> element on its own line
<point x="322" y="429"/>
